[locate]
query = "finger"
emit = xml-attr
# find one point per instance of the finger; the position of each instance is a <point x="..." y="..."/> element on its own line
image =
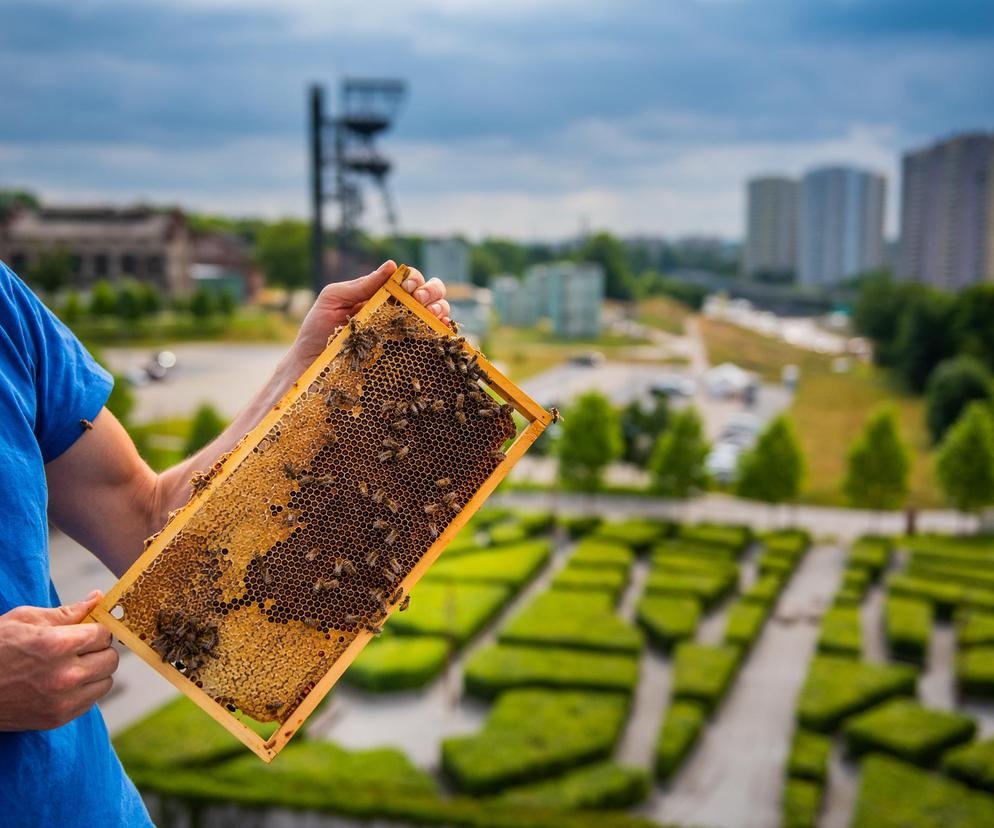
<point x="71" y="613"/>
<point x="86" y="695"/>
<point x="85" y="638"/>
<point x="359" y="290"/>
<point x="430" y="291"/>
<point x="414" y="279"/>
<point x="98" y="666"/>
<point x="440" y="309"/>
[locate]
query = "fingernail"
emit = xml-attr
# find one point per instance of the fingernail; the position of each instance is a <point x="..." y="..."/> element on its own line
<point x="421" y="295"/>
<point x="435" y="308"/>
<point x="409" y="285"/>
<point x="95" y="594"/>
<point x="384" y="264"/>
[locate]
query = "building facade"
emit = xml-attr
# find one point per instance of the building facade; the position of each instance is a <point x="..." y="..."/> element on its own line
<point x="103" y="243"/>
<point x="840" y="225"/>
<point x="448" y="259"/>
<point x="570" y="295"/>
<point x="947" y="213"/>
<point x="771" y="227"/>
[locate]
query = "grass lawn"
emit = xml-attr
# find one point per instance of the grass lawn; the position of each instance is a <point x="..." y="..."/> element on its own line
<point x="663" y="314"/>
<point x="829" y="409"/>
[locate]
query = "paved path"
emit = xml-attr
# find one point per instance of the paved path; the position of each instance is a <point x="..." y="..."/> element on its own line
<point x="734" y="778"/>
<point x="840" y="792"/>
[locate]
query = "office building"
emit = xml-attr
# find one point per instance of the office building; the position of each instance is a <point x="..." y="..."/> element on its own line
<point x="570" y="294"/>
<point x="448" y="259"/>
<point x="771" y="228"/>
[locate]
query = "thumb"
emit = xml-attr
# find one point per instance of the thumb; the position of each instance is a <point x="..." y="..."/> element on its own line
<point x="361" y="289"/>
<point x="71" y="613"/>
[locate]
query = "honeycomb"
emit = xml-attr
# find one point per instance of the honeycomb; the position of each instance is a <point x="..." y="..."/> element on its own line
<point x="297" y="546"/>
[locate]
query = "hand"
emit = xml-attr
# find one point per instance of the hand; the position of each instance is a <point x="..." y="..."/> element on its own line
<point x="54" y="668"/>
<point x="337" y="302"/>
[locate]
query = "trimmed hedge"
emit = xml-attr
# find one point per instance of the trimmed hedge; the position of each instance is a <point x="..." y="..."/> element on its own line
<point x="677" y="560"/>
<point x="976" y="575"/>
<point x="506" y="666"/>
<point x="970" y="549"/>
<point x="908" y="628"/>
<point x="972" y="763"/>
<point x="945" y="596"/>
<point x="894" y="794"/>
<point x="507" y="532"/>
<point x="572" y="619"/>
<point x="668" y="619"/>
<point x="703" y="673"/>
<point x="637" y="533"/>
<point x="533" y="734"/>
<point x="975" y="672"/>
<point x="596" y="786"/>
<point x="840" y="687"/>
<point x="872" y="554"/>
<point x="609" y="581"/>
<point x="787" y="543"/>
<point x="841" y="632"/>
<point x="765" y="590"/>
<point x="856" y="579"/>
<point x="744" y="623"/>
<point x="905" y="729"/>
<point x="708" y="587"/>
<point x="734" y="537"/>
<point x="974" y="628"/>
<point x="596" y="554"/>
<point x="801" y="803"/>
<point x="456" y="611"/>
<point x="581" y="525"/>
<point x="771" y="563"/>
<point x="683" y="724"/>
<point x="808" y="757"/>
<point x="513" y="565"/>
<point x="398" y="662"/>
<point x="688" y="548"/>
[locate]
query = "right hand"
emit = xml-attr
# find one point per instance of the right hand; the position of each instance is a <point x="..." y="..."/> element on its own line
<point x="54" y="668"/>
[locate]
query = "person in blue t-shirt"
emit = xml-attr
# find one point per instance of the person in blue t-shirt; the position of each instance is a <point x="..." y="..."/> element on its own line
<point x="64" y="458"/>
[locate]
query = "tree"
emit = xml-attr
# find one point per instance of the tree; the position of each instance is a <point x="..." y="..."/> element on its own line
<point x="130" y="301"/>
<point x="283" y="252"/>
<point x="773" y="469"/>
<point x="72" y="306"/>
<point x="52" y="271"/>
<point x="877" y="473"/>
<point x="642" y="427"/>
<point x="878" y="310"/>
<point x="974" y="310"/>
<point x="924" y="337"/>
<point x="591" y="439"/>
<point x="103" y="300"/>
<point x="677" y="463"/>
<point x="151" y="299"/>
<point x="11" y="200"/>
<point x="483" y="265"/>
<point x="607" y="251"/>
<point x="227" y="302"/>
<point x="206" y="425"/>
<point x="954" y="384"/>
<point x="203" y="303"/>
<point x="965" y="462"/>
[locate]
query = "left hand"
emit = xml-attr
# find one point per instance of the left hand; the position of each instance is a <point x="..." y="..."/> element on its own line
<point x="338" y="302"/>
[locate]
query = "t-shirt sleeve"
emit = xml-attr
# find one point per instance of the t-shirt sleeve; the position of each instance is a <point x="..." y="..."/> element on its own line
<point x="69" y="384"/>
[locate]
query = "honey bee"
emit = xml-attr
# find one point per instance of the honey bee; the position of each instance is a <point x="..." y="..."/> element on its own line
<point x="394" y="564"/>
<point x="311" y="622"/>
<point x="339" y="398"/>
<point x="397" y="595"/>
<point x="405" y="603"/>
<point x="378" y="496"/>
<point x="380" y="524"/>
<point x="498" y="455"/>
<point x="359" y="345"/>
<point x="390" y="443"/>
<point x="433" y="531"/>
<point x="461" y="418"/>
<point x="263" y="568"/>
<point x="403" y="326"/>
<point x="416" y="386"/>
<point x="391" y="537"/>
<point x="291" y="519"/>
<point x="372" y="556"/>
<point x="438" y="405"/>
<point x="430" y="508"/>
<point x="556" y="416"/>
<point x="325" y="585"/>
<point x="507" y="408"/>
<point x="486" y="412"/>
<point x="385" y="456"/>
<point x="393" y="505"/>
<point x="86" y="425"/>
<point x="399" y="425"/>
<point x="460" y="399"/>
<point x="311" y="554"/>
<point x="443" y="482"/>
<point x="450" y="365"/>
<point x="291" y="471"/>
<point x="402" y="452"/>
<point x="476" y="396"/>
<point x="375" y="630"/>
<point x="363" y="488"/>
<point x="450" y="497"/>
<point x="274" y="706"/>
<point x="387" y="406"/>
<point x="350" y="619"/>
<point x="391" y="578"/>
<point x="199" y="481"/>
<point x="307" y="480"/>
<point x="329" y="437"/>
<point x="453" y="326"/>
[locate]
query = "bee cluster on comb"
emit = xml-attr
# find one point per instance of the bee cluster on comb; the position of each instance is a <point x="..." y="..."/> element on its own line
<point x="296" y="547"/>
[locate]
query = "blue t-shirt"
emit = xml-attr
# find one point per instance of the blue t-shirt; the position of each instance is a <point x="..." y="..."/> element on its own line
<point x="69" y="776"/>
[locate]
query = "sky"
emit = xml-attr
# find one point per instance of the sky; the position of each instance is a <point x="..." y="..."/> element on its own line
<point x="525" y="118"/>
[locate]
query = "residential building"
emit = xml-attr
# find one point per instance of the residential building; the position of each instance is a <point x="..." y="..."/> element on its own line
<point x="512" y="302"/>
<point x="947" y="212"/>
<point x="770" y="248"/>
<point x="840" y="227"/>
<point x="471" y="307"/>
<point x="448" y="259"/>
<point x="570" y="294"/>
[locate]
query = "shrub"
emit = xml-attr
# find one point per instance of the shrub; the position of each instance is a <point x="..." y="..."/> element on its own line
<point x="533" y="734"/>
<point x="907" y="730"/>
<point x="893" y="794"/>
<point x="979" y="575"/>
<point x="972" y="763"/>
<point x="871" y="553"/>
<point x="398" y="663"/>
<point x="600" y="785"/>
<point x="808" y="757"/>
<point x="856" y="579"/>
<point x="597" y="553"/>
<point x="507" y="532"/>
<point x="841" y="632"/>
<point x="572" y="619"/>
<point x="765" y="589"/>
<point x="839" y="687"/>
<point x="691" y="548"/>
<point x="790" y="543"/>
<point x="455" y="611"/>
<point x="708" y="587"/>
<point x="908" y="627"/>
<point x="771" y="563"/>
<point x="680" y="561"/>
<point x="953" y="385"/>
<point x="668" y="619"/>
<point x="734" y="537"/>
<point x="703" y="673"/>
<point x="609" y="581"/>
<point x="943" y="596"/>
<point x="975" y="672"/>
<point x="512" y="565"/>
<point x="638" y="533"/>
<point x="801" y="803"/>
<point x="974" y="628"/>
<point x="206" y="425"/>
<point x="744" y="623"/>
<point x="972" y="550"/>
<point x="577" y="527"/>
<point x="505" y="666"/>
<point x="681" y="727"/>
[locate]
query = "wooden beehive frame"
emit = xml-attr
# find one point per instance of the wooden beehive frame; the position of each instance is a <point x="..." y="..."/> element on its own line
<point x="537" y="419"/>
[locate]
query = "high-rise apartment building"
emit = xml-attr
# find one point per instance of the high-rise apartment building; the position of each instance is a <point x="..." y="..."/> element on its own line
<point x="947" y="212"/>
<point x="448" y="259"/>
<point x="840" y="225"/>
<point x="771" y="227"/>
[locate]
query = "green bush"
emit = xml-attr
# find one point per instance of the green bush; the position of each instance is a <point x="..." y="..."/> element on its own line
<point x="688" y="548"/>
<point x="744" y="623"/>
<point x="905" y="729"/>
<point x="668" y="619"/>
<point x="507" y="532"/>
<point x="801" y="803"/>
<point x="456" y="611"/>
<point x="974" y="628"/>
<point x="637" y="533"/>
<point x="856" y="579"/>
<point x="506" y="666"/>
<point x="840" y="687"/>
<point x="708" y="587"/>
<point x="578" y="526"/>
<point x="790" y="544"/>
<point x="894" y="794"/>
<point x="972" y="550"/>
<point x="945" y="596"/>
<point x="596" y="786"/>
<point x="207" y="424"/>
<point x="765" y="590"/>
<point x="680" y="561"/>
<point x="573" y="619"/>
<point x="398" y="662"/>
<point x="771" y="563"/>
<point x="975" y="672"/>
<point x="972" y="763"/>
<point x="979" y="575"/>
<point x="537" y="523"/>
<point x="908" y="627"/>
<point x="609" y="581"/>
<point x="808" y="757"/>
<point x="703" y="673"/>
<point x="534" y="734"/>
<point x="683" y="724"/>
<point x="513" y="565"/>
<point x="871" y="553"/>
<point x="841" y="632"/>
<point x="736" y="538"/>
<point x="596" y="553"/>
